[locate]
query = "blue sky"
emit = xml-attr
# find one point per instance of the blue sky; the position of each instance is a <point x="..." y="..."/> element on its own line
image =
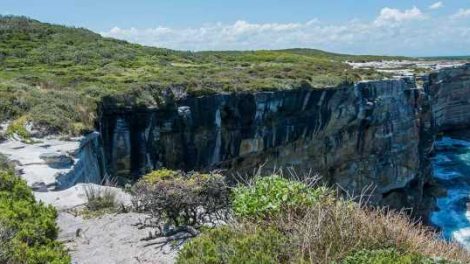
<point x="401" y="27"/>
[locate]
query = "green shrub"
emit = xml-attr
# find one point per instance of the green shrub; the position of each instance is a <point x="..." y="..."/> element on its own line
<point x="17" y="127"/>
<point x="159" y="175"/>
<point x="270" y="195"/>
<point x="236" y="245"/>
<point x="32" y="225"/>
<point x="5" y="236"/>
<point x="13" y="188"/>
<point x="388" y="256"/>
<point x="5" y="165"/>
<point x="180" y="199"/>
<point x="50" y="253"/>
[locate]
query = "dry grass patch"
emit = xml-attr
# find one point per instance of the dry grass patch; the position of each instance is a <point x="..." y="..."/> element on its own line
<point x="100" y="201"/>
<point x="329" y="233"/>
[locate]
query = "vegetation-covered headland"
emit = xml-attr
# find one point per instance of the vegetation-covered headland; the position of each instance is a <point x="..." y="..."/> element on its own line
<point x="53" y="76"/>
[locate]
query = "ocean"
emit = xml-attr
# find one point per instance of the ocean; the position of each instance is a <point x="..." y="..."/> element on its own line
<point x="451" y="166"/>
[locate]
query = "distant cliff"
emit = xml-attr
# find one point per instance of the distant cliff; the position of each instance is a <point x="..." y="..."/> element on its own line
<point x="375" y="134"/>
<point x="450" y="91"/>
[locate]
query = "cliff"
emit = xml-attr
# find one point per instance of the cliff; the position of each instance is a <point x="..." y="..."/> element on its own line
<point x="450" y="91"/>
<point x="373" y="135"/>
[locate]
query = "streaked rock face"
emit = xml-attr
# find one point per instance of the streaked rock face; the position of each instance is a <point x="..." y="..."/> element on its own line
<point x="375" y="135"/>
<point x="450" y="90"/>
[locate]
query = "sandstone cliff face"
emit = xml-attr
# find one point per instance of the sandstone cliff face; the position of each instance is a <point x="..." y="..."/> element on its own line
<point x="450" y="91"/>
<point x="375" y="134"/>
<point x="88" y="164"/>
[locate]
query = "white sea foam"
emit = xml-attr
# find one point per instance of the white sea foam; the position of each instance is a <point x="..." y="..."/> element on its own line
<point x="462" y="236"/>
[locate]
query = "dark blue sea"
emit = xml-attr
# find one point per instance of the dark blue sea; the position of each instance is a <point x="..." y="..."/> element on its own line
<point x="452" y="172"/>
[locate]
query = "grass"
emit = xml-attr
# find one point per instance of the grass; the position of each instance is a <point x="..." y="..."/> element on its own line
<point x="325" y="231"/>
<point x="56" y="75"/>
<point x="100" y="201"/>
<point x="389" y="256"/>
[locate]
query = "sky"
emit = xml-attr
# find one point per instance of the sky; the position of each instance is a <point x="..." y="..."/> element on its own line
<point x="385" y="27"/>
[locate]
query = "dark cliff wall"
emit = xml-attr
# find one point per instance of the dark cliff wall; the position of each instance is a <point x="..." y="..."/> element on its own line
<point x="450" y="91"/>
<point x="376" y="134"/>
<point x="372" y="134"/>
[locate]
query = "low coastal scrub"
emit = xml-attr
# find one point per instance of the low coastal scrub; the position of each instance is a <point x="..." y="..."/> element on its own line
<point x="268" y="196"/>
<point x="285" y="221"/>
<point x="237" y="244"/>
<point x="27" y="228"/>
<point x="17" y="127"/>
<point x="181" y="201"/>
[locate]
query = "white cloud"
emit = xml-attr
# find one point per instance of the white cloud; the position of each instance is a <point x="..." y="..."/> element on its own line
<point x="393" y="31"/>
<point x="462" y="13"/>
<point x="436" y="5"/>
<point x="391" y="15"/>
